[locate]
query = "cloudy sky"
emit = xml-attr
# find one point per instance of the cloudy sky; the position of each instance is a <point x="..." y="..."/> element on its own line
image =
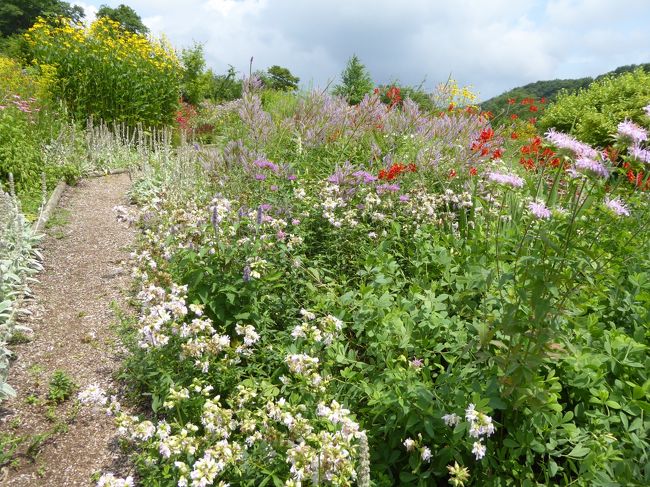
<point x="493" y="45"/>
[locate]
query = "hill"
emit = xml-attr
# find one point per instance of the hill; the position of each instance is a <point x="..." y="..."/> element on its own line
<point x="527" y="98"/>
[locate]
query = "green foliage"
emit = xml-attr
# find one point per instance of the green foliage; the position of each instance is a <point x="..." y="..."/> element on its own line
<point x="193" y="82"/>
<point x="60" y="387"/>
<point x="281" y="79"/>
<point x="224" y="87"/>
<point x="107" y="72"/>
<point x="592" y="114"/>
<point x="16" y="16"/>
<point x="125" y="16"/>
<point x="546" y="90"/>
<point x="355" y="82"/>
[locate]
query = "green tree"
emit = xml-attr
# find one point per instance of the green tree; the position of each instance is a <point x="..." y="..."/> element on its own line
<point x="194" y="82"/>
<point x="356" y="82"/>
<point x="281" y="79"/>
<point x="125" y="16"/>
<point x="224" y="87"/>
<point x="16" y="16"/>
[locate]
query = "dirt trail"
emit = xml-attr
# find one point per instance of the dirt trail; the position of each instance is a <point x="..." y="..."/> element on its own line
<point x="72" y="313"/>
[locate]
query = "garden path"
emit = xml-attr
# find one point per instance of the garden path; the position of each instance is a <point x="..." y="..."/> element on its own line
<point x="85" y="252"/>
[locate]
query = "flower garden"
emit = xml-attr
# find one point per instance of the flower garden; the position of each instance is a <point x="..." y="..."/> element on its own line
<point x="378" y="294"/>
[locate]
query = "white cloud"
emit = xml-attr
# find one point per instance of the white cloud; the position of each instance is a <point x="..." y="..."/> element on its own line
<point x="492" y="45"/>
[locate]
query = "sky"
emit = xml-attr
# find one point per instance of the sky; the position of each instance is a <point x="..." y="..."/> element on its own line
<point x="492" y="45"/>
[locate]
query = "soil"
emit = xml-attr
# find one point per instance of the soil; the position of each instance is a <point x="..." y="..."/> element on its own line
<point x="73" y="318"/>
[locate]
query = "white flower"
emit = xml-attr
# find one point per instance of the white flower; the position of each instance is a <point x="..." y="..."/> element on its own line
<point x="478" y="449"/>
<point x="93" y="395"/>
<point x="451" y="419"/>
<point x="471" y="413"/>
<point x="409" y="444"/>
<point x="110" y="480"/>
<point x="425" y="454"/>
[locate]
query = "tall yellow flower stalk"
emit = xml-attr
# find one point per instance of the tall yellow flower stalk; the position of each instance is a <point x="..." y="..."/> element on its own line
<point x="108" y="72"/>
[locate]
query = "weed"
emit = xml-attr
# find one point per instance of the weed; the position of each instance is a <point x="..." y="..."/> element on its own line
<point x="61" y="387"/>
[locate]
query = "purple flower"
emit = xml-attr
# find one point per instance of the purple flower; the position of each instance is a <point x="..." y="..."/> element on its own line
<point x="646" y="109"/>
<point x="617" y="206"/>
<point x="215" y="219"/>
<point x="383" y="188"/>
<point x="246" y="276"/>
<point x="273" y="187"/>
<point x="630" y="130"/>
<point x="585" y="164"/>
<point x="564" y="141"/>
<point x="295" y="221"/>
<point x="262" y="164"/>
<point x="506" y="179"/>
<point x="640" y="154"/>
<point x="539" y="210"/>
<point x="365" y="177"/>
<point x="259" y="215"/>
<point x="404" y="198"/>
<point x="260" y="177"/>
<point x="280" y="235"/>
<point x="292" y="177"/>
<point x="266" y="206"/>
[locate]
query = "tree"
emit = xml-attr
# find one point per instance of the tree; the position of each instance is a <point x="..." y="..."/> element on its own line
<point x="225" y="87"/>
<point x="193" y="83"/>
<point x="16" y="16"/>
<point x="356" y="82"/>
<point x="281" y="79"/>
<point x="125" y="16"/>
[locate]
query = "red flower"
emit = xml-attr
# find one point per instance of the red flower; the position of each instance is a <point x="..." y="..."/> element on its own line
<point x="511" y="101"/>
<point x="532" y="108"/>
<point x="542" y="100"/>
<point x="473" y="171"/>
<point x="514" y="116"/>
<point x="450" y="107"/>
<point x="497" y="153"/>
<point x="486" y="135"/>
<point x="452" y="174"/>
<point x="533" y="120"/>
<point x="514" y="136"/>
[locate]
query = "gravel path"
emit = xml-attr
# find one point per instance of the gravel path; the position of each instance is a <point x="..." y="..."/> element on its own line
<point x="86" y="273"/>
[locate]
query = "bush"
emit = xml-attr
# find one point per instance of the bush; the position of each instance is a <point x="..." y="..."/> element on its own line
<point x="107" y="72"/>
<point x="592" y="114"/>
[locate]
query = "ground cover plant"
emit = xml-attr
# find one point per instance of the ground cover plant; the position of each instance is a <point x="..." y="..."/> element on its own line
<point x="374" y="295"/>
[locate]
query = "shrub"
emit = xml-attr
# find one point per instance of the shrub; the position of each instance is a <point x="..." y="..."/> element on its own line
<point x="107" y="72"/>
<point x="592" y="114"/>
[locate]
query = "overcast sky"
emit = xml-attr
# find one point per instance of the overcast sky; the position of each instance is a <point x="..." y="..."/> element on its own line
<point x="493" y="45"/>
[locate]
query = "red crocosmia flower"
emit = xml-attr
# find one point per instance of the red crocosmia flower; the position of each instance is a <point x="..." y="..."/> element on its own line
<point x="555" y="162"/>
<point x="450" y="107"/>
<point x="473" y="171"/>
<point x="452" y="174"/>
<point x="497" y="153"/>
<point x="514" y="116"/>
<point x="542" y="100"/>
<point x="511" y="101"/>
<point x="533" y="121"/>
<point x="525" y="149"/>
<point x="412" y="167"/>
<point x="548" y="153"/>
<point x="514" y="136"/>
<point x="485" y="151"/>
<point x="532" y="108"/>
<point x="486" y="134"/>
<point x="488" y="115"/>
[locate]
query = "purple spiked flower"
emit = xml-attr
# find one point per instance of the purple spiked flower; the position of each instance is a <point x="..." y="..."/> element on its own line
<point x="506" y="179"/>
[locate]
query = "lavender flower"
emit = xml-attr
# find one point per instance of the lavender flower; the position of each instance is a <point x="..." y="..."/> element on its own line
<point x="585" y="164"/>
<point x="383" y="188"/>
<point x="247" y="273"/>
<point x="631" y="131"/>
<point x="260" y="214"/>
<point x="506" y="179"/>
<point x="617" y="206"/>
<point x="639" y="154"/>
<point x="260" y="177"/>
<point x="564" y="141"/>
<point x="215" y="219"/>
<point x="365" y="177"/>
<point x="539" y="210"/>
<point x="262" y="164"/>
<point x="646" y="109"/>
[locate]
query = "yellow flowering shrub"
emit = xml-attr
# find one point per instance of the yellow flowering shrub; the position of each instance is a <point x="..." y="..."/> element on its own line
<point x="108" y="72"/>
